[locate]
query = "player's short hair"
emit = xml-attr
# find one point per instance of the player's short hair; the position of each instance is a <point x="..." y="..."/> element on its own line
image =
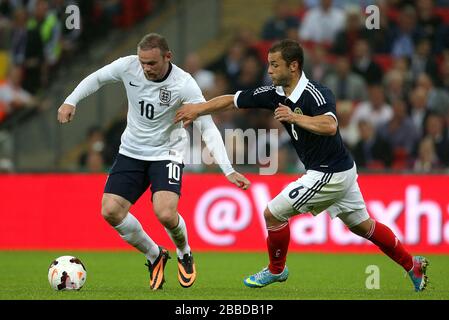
<point x="290" y="51"/>
<point x="152" y="41"/>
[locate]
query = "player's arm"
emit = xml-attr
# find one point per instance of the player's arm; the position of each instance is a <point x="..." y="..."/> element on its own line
<point x="214" y="142"/>
<point x="190" y="112"/>
<point x="324" y="124"/>
<point x="90" y="84"/>
<point x="191" y="95"/>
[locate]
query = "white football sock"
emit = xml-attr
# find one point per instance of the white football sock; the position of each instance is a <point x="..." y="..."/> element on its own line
<point x="132" y="232"/>
<point x="179" y="237"/>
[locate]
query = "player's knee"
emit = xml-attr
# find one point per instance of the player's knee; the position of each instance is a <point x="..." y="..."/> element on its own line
<point x="112" y="211"/>
<point x="362" y="229"/>
<point x="270" y="220"/>
<point x="168" y="217"/>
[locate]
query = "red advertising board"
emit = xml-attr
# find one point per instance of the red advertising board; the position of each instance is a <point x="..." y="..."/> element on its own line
<point x="55" y="211"/>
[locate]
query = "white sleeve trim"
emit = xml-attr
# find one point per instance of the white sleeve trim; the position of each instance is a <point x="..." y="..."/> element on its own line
<point x="236" y="96"/>
<point x="332" y="115"/>
<point x="214" y="142"/>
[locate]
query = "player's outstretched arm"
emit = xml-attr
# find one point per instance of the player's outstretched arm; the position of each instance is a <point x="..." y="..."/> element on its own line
<point x="66" y="113"/>
<point x="90" y="84"/>
<point x="189" y="112"/>
<point x="239" y="180"/>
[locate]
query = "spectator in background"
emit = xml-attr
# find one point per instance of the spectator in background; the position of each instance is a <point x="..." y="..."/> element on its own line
<point x="348" y="130"/>
<point x="95" y="162"/>
<point x="204" y="78"/>
<point x="423" y="61"/>
<point x="394" y="86"/>
<point x="402" y="65"/>
<point x="354" y="30"/>
<point x="221" y="85"/>
<point x="12" y="96"/>
<point x="6" y="165"/>
<point x="19" y="36"/>
<point x="427" y="159"/>
<point x="400" y="131"/>
<point x="279" y="26"/>
<point x="49" y="27"/>
<point x="363" y="63"/>
<point x="418" y="108"/>
<point x="445" y="74"/>
<point x="91" y="159"/>
<point x="230" y="63"/>
<point x="437" y="99"/>
<point x="250" y="75"/>
<point x="35" y="66"/>
<point x="69" y="38"/>
<point x="315" y="63"/>
<point x="345" y="84"/>
<point x="430" y="24"/>
<point x="435" y="130"/>
<point x="375" y="110"/>
<point x="112" y="138"/>
<point x="372" y="151"/>
<point x="380" y="39"/>
<point x="321" y="24"/>
<point x="405" y="34"/>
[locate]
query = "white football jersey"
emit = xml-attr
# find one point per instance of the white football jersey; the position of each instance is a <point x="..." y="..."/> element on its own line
<point x="151" y="133"/>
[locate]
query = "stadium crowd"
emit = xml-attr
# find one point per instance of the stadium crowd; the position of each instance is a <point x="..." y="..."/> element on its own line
<point x="391" y="83"/>
<point x="36" y="40"/>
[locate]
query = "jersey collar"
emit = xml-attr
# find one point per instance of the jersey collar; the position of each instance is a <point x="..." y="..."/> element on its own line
<point x="166" y="75"/>
<point x="299" y="89"/>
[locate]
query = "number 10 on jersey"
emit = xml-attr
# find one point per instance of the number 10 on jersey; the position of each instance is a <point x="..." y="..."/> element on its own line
<point x="174" y="171"/>
<point x="146" y="110"/>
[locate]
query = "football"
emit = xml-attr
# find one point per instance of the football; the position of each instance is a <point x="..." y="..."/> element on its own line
<point x="67" y="273"/>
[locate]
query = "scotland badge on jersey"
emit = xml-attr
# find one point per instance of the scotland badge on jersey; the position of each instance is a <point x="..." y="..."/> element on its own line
<point x="164" y="96"/>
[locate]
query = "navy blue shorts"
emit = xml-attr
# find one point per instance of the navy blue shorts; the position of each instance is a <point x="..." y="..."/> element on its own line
<point x="130" y="178"/>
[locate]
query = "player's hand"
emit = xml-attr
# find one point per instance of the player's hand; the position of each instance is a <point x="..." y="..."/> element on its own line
<point x="187" y="114"/>
<point x="284" y="113"/>
<point x="239" y="180"/>
<point x="66" y="113"/>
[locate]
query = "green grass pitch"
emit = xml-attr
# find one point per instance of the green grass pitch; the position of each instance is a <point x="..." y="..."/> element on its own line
<point x="122" y="275"/>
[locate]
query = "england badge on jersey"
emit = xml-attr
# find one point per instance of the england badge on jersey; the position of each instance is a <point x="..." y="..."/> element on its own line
<point x="164" y="96"/>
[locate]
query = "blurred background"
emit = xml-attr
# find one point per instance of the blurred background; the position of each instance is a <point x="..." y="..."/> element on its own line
<point x="391" y="84"/>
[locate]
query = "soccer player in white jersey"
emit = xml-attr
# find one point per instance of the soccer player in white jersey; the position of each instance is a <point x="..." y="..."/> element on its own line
<point x="308" y="112"/>
<point x="151" y="150"/>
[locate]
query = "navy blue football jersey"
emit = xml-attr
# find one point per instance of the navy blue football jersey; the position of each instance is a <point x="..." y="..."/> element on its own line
<point x="317" y="152"/>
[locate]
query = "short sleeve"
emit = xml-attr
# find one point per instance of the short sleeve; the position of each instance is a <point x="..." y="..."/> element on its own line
<point x="191" y="92"/>
<point x="323" y="103"/>
<point x="261" y="97"/>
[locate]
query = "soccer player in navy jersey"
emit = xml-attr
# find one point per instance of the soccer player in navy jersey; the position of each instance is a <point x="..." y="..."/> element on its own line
<point x="308" y="112"/>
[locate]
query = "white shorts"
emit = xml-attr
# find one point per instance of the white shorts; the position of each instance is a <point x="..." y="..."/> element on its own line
<point x="338" y="193"/>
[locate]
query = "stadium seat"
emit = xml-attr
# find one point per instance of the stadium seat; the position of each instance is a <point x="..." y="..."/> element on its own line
<point x="443" y="13"/>
<point x="400" y="156"/>
<point x="385" y="61"/>
<point x="375" y="165"/>
<point x="262" y="48"/>
<point x="393" y="14"/>
<point x="300" y="13"/>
